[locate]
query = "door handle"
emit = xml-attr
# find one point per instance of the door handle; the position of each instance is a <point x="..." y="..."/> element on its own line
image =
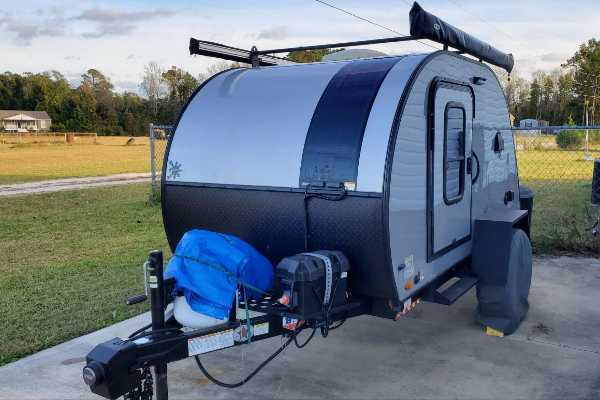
<point x="470" y="167"/>
<point x="509" y="196"/>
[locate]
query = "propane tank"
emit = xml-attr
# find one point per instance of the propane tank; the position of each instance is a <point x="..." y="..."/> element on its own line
<point x="187" y="317"/>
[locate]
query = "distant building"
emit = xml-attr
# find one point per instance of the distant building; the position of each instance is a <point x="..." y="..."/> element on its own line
<point x="24" y="121"/>
<point x="529" y="123"/>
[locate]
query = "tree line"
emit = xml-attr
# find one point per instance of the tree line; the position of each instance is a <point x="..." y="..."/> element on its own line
<point x="93" y="105"/>
<point x="559" y="97"/>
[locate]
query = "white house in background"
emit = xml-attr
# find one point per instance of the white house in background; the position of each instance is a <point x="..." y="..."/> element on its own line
<point x="24" y="121"/>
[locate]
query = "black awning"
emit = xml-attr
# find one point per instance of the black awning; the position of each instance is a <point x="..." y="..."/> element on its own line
<point x="428" y="26"/>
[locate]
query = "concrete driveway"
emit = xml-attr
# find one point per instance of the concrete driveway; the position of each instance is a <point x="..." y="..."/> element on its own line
<point x="435" y="353"/>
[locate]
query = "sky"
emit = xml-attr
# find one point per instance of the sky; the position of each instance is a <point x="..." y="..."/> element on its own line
<point x="120" y="37"/>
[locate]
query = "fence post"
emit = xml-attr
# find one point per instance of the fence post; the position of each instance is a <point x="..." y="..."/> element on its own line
<point x="152" y="160"/>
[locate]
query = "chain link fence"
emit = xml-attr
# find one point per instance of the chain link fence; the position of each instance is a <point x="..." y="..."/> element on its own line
<point x="550" y="157"/>
<point x="159" y="138"/>
<point x="557" y="163"/>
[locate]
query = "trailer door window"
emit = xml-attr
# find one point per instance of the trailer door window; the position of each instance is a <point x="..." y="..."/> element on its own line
<point x="454" y="152"/>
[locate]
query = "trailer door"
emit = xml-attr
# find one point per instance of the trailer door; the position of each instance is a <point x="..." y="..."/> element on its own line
<point x="451" y="112"/>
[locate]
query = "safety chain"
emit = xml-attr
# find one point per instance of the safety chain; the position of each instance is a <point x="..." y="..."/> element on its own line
<point x="144" y="389"/>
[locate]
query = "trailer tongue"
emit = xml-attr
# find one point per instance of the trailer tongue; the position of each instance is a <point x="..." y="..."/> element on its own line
<point x="314" y="283"/>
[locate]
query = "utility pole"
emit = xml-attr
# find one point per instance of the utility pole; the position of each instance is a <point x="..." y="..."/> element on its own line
<point x="587" y="156"/>
<point x="594" y="98"/>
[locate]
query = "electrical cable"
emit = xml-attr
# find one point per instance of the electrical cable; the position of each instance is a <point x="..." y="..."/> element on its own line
<point x="142" y="329"/>
<point x="520" y="45"/>
<point x="312" y="334"/>
<point x="154" y="332"/>
<point x="253" y="373"/>
<point x="307" y="197"/>
<point x="480" y="18"/>
<point x="371" y="22"/>
<point x="327" y="311"/>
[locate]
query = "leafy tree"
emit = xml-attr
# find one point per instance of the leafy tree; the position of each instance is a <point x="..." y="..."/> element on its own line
<point x="181" y="85"/>
<point x="96" y="81"/>
<point x="586" y="66"/>
<point x="516" y="90"/>
<point x="308" y="56"/>
<point x="535" y="95"/>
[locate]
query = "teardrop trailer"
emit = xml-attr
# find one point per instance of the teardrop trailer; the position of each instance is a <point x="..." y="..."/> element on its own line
<point x="371" y="184"/>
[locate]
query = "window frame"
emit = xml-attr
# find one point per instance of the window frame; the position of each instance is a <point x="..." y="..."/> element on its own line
<point x="463" y="161"/>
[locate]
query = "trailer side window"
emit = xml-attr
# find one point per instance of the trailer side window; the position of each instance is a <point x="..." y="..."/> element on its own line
<point x="454" y="153"/>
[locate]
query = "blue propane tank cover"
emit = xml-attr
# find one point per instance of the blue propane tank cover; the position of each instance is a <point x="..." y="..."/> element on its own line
<point x="209" y="266"/>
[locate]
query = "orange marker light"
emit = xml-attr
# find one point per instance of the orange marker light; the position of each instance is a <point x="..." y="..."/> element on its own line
<point x="285" y="300"/>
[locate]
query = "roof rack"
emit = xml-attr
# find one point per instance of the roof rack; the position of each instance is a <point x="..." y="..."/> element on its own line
<point x="224" y="52"/>
<point x="423" y="25"/>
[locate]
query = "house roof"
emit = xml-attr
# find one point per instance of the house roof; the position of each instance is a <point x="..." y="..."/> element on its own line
<point x="21" y="117"/>
<point x="7" y="114"/>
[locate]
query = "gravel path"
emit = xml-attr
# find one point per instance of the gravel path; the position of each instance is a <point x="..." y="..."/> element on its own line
<point x="21" y="189"/>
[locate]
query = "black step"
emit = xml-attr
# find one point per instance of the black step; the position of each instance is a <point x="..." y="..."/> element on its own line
<point x="452" y="293"/>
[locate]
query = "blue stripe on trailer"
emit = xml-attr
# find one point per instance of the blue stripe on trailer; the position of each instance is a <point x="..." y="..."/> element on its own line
<point x="335" y="135"/>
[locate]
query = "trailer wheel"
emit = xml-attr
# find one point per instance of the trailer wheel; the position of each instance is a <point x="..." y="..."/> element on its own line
<point x="503" y="294"/>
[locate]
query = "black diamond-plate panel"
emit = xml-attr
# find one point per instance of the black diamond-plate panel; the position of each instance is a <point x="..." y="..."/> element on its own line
<point x="273" y="222"/>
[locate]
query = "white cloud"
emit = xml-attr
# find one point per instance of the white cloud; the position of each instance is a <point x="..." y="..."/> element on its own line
<point x="275" y="33"/>
<point x="117" y="23"/>
<point x="25" y="31"/>
<point x="110" y="16"/>
<point x="554" y="57"/>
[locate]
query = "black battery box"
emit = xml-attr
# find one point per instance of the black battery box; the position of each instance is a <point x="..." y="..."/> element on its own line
<point x="313" y="281"/>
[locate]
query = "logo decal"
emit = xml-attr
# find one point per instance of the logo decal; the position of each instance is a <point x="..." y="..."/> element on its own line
<point x="174" y="170"/>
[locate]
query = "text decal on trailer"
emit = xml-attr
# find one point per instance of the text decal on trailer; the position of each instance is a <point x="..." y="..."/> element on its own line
<point x="208" y="343"/>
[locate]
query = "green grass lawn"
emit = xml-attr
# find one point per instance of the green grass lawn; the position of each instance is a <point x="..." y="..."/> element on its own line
<point x="562" y="216"/>
<point x="555" y="166"/>
<point x="562" y="209"/>
<point x="69" y="260"/>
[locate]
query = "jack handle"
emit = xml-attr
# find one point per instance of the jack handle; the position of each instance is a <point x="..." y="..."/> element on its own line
<point x="139" y="298"/>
